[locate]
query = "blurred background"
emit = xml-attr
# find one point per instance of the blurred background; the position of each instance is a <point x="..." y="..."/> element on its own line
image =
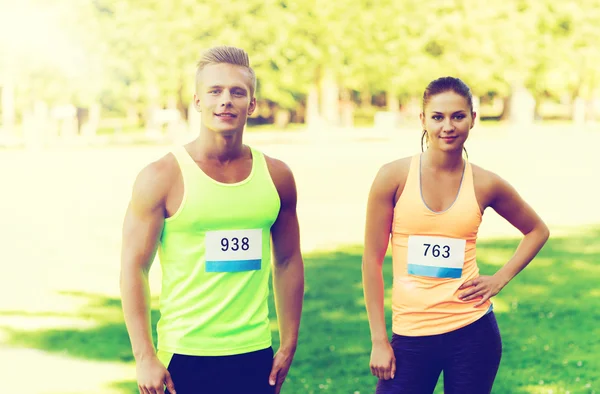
<point x="110" y="68"/>
<point x="92" y="91"/>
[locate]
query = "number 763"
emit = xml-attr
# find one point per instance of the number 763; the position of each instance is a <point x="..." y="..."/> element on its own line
<point x="437" y="250"/>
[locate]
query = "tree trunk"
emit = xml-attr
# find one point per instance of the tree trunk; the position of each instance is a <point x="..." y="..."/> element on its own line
<point x="330" y="102"/>
<point x="132" y="117"/>
<point x="393" y="103"/>
<point x="282" y="117"/>
<point x="8" y="107"/>
<point x="476" y="107"/>
<point x="522" y="107"/>
<point x="366" y="98"/>
<point x="313" y="118"/>
<point x="578" y="111"/>
<point x="505" y="116"/>
<point x="181" y="106"/>
<point x="346" y="109"/>
<point x="153" y="128"/>
<point x="90" y="128"/>
<point x="194" y="119"/>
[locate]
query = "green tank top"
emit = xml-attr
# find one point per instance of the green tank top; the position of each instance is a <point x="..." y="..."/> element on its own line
<point x="215" y="255"/>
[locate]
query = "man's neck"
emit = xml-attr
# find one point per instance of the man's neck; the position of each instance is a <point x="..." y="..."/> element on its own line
<point x="222" y="147"/>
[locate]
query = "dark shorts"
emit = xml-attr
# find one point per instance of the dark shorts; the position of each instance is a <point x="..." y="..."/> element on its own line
<point x="469" y="357"/>
<point x="240" y="373"/>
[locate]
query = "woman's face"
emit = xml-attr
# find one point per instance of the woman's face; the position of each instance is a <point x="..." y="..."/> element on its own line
<point x="448" y="118"/>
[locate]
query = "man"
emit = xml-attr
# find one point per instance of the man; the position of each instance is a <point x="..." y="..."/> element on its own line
<point x="211" y="208"/>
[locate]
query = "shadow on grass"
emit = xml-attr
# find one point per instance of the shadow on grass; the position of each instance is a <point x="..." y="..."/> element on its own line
<point x="107" y="340"/>
<point x="548" y="317"/>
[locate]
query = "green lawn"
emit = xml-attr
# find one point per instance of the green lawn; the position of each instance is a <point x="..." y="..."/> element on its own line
<point x="548" y="317"/>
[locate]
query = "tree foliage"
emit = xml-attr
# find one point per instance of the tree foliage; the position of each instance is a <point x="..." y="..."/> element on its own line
<point x="132" y="52"/>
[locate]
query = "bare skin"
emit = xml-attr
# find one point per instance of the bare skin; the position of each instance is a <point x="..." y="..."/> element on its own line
<point x="223" y="98"/>
<point x="447" y="119"/>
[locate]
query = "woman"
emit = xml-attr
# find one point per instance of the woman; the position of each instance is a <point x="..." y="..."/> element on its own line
<point x="431" y="205"/>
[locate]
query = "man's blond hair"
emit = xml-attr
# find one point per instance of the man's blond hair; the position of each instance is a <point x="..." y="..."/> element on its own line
<point x="228" y="55"/>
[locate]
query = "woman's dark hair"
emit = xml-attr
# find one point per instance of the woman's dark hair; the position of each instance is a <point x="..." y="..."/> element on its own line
<point x="442" y="85"/>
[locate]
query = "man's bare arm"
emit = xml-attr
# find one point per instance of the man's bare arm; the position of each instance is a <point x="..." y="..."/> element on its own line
<point x="288" y="270"/>
<point x="142" y="228"/>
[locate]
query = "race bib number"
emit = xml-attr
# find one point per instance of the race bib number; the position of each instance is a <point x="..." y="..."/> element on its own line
<point x="436" y="257"/>
<point x="233" y="250"/>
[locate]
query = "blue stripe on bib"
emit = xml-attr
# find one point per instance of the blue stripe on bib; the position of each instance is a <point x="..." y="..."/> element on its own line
<point x="434" y="272"/>
<point x="233" y="265"/>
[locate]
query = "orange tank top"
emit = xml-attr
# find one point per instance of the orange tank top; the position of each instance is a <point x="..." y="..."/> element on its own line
<point x="433" y="254"/>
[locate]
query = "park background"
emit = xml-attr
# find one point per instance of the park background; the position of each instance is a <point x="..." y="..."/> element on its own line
<point x="92" y="91"/>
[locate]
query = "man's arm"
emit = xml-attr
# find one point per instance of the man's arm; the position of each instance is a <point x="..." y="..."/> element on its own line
<point x="141" y="231"/>
<point x="288" y="271"/>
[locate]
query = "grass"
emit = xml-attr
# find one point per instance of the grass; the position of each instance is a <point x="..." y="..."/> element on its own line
<point x="548" y="317"/>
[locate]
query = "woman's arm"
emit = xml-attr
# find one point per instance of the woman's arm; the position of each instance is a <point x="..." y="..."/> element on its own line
<point x="508" y="203"/>
<point x="380" y="210"/>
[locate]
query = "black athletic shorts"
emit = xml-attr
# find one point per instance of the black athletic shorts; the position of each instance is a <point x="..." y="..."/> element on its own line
<point x="246" y="373"/>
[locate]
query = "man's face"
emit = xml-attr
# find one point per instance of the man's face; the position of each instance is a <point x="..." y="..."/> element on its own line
<point x="223" y="96"/>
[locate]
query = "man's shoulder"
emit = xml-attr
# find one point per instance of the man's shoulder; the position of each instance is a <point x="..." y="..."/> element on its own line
<point x="282" y="178"/>
<point x="160" y="170"/>
<point x="155" y="179"/>
<point x="278" y="168"/>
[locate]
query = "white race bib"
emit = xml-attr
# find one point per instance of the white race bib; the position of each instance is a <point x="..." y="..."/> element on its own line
<point x="233" y="250"/>
<point x="436" y="257"/>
